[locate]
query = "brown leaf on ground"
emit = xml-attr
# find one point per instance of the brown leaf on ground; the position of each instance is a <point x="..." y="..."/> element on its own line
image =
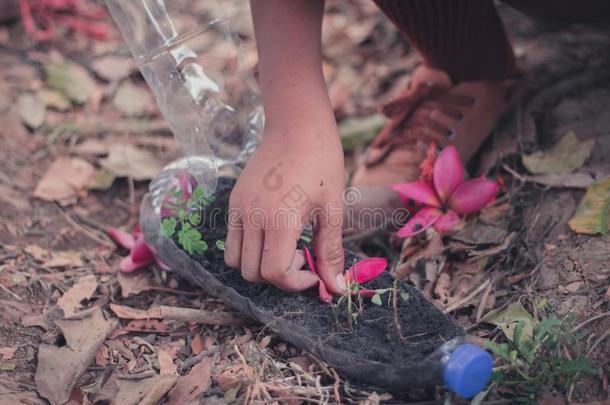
<point x="38" y="253"/>
<point x="65" y="180"/>
<point x="31" y="110"/>
<point x="125" y="160"/>
<point x="66" y="258"/>
<point x="178" y="314"/>
<point x="197" y="344"/>
<point x="54" y="100"/>
<point x="93" y="147"/>
<point x="166" y="363"/>
<point x="567" y="155"/>
<point x="71" y="80"/>
<point x="7" y="352"/>
<point x="14" y="394"/>
<point x="113" y="68"/>
<point x="60" y="367"/>
<point x="414" y="255"/>
<point x="82" y="290"/>
<point x="189" y="387"/>
<point x="146" y="391"/>
<point x="133" y="101"/>
<point x="134" y="283"/>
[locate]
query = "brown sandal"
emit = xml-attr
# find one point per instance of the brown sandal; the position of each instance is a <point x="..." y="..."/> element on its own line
<point x="432" y="109"/>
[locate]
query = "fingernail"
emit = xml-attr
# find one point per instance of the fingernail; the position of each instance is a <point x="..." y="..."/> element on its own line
<point x="341" y="282"/>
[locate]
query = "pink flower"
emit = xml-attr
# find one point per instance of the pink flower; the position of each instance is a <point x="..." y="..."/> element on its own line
<point x="446" y="197"/>
<point x="362" y="272"/>
<point x="140" y="253"/>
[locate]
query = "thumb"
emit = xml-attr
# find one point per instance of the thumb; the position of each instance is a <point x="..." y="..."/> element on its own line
<point x="328" y="244"/>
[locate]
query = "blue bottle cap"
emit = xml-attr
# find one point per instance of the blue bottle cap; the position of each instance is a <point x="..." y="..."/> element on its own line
<point x="468" y="370"/>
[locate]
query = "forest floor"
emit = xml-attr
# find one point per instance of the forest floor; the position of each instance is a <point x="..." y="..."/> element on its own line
<point x="81" y="137"/>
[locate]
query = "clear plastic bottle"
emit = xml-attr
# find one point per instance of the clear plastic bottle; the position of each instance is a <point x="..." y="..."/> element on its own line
<point x="192" y="61"/>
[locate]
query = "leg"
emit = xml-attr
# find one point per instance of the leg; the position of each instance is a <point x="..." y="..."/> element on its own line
<point x="464" y="38"/>
<point x="467" y="82"/>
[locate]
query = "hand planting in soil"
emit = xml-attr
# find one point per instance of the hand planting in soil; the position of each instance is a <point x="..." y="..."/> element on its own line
<point x="361" y="272"/>
<point x="444" y="193"/>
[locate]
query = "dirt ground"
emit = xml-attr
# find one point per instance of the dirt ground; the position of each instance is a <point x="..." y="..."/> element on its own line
<point x="58" y="265"/>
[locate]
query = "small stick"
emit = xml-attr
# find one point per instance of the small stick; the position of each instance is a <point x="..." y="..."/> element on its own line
<point x="85" y="231"/>
<point x="483" y="302"/>
<point x="467" y="298"/>
<point x="577" y="327"/>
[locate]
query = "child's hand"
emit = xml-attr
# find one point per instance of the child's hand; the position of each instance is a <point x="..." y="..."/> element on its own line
<point x="292" y="180"/>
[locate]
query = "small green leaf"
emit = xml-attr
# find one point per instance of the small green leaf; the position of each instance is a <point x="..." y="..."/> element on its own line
<point x="355" y="287"/>
<point x="168" y="227"/>
<point x="195" y="218"/>
<point x="220" y="245"/>
<point x="305" y="238"/>
<point x="191" y="241"/>
<point x="376" y="299"/>
<point x="200" y="198"/>
<point x="181" y="214"/>
<point x="404" y="296"/>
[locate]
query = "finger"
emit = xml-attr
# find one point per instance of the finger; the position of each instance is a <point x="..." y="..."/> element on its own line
<point x="234" y="239"/>
<point x="281" y="263"/>
<point x="328" y="244"/>
<point x="251" y="253"/>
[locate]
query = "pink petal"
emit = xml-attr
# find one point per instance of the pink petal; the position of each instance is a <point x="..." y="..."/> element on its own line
<point x="367" y="293"/>
<point x="366" y="270"/>
<point x="128" y="265"/>
<point x="124" y="239"/>
<point x="473" y="195"/>
<point x="323" y="293"/>
<point x="141" y="252"/>
<point x="448" y="172"/>
<point x="187" y="184"/>
<point x="309" y="260"/>
<point x="418" y="191"/>
<point x="325" y="296"/>
<point x="424" y="219"/>
<point x="447" y="222"/>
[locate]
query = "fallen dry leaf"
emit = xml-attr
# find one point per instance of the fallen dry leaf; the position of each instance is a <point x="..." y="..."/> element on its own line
<point x="93" y="147"/>
<point x="54" y="100"/>
<point x="125" y="160"/>
<point x="7" y="352"/>
<point x="563" y="180"/>
<point x="65" y="180"/>
<point x="132" y="101"/>
<point x="197" y="344"/>
<point x="509" y="318"/>
<point x="565" y="156"/>
<point x="189" y="387"/>
<point x="178" y="314"/>
<point x="82" y="290"/>
<point x="60" y="367"/>
<point x="71" y="80"/>
<point x="103" y="180"/>
<point x="31" y="110"/>
<point x="113" y="68"/>
<point x="591" y="216"/>
<point x="166" y="363"/>
<point x="146" y="391"/>
<point x="134" y="283"/>
<point x="65" y="258"/>
<point x="37" y="252"/>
